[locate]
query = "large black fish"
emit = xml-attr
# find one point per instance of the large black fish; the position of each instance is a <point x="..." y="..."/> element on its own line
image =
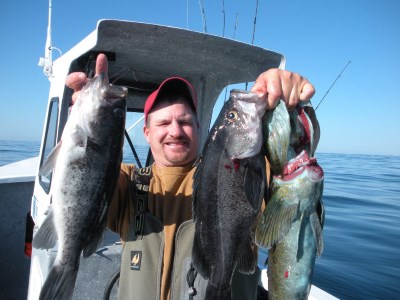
<point x="229" y="185"/>
<point x="86" y="166"/>
<point x="291" y="224"/>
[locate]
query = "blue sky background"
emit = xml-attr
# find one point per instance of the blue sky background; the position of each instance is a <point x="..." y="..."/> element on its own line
<point x="318" y="38"/>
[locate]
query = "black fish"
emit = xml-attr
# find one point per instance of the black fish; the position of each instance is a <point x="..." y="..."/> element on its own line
<point x="229" y="185"/>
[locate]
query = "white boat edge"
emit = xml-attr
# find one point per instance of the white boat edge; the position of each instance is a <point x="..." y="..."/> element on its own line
<point x="20" y="171"/>
<point x="315" y="292"/>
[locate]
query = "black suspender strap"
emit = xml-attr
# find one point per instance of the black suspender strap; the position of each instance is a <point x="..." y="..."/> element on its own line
<point x="142" y="177"/>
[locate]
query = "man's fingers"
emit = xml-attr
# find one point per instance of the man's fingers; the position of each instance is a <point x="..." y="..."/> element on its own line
<point x="76" y="80"/>
<point x="307" y="92"/>
<point x="274" y="91"/>
<point x="276" y="84"/>
<point x="101" y="64"/>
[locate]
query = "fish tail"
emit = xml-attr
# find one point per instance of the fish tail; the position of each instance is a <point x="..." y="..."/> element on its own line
<point x="60" y="283"/>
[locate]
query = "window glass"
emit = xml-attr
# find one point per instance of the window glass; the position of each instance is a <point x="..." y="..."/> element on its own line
<point x="134" y="128"/>
<point x="50" y="140"/>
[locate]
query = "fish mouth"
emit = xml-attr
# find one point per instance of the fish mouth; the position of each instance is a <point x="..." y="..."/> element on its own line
<point x="300" y="164"/>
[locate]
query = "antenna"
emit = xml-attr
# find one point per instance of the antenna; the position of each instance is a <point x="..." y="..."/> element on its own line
<point x="47" y="61"/>
<point x="333" y="84"/>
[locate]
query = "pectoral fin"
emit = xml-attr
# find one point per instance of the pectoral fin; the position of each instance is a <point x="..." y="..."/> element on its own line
<point x="47" y="168"/>
<point x="317" y="232"/>
<point x="247" y="261"/>
<point x="46" y="236"/>
<point x="275" y="222"/>
<point x="254" y="183"/>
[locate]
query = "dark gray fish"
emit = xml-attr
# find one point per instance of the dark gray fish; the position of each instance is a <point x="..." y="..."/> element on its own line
<point x="291" y="224"/>
<point x="86" y="167"/>
<point x="228" y="190"/>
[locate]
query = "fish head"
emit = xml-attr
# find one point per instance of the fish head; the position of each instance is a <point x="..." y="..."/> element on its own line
<point x="100" y="104"/>
<point x="240" y="121"/>
<point x="101" y="92"/>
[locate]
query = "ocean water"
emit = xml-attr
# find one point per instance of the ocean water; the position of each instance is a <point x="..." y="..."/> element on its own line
<point x="361" y="257"/>
<point x="13" y="151"/>
<point x="362" y="236"/>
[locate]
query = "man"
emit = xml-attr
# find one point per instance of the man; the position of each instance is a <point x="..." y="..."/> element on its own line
<point x="156" y="227"/>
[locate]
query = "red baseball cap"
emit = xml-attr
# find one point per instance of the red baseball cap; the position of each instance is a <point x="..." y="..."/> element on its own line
<point x="176" y="85"/>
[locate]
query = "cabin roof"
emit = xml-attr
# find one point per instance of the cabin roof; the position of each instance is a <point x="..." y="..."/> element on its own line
<point x="142" y="55"/>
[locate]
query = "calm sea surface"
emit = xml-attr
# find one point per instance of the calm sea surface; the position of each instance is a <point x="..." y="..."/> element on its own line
<point x="361" y="258"/>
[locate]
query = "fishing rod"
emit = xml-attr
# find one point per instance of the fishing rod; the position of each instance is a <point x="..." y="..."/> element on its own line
<point x="254" y="23"/>
<point x="203" y="15"/>
<point x="223" y="13"/>
<point x="333" y="84"/>
<point x="254" y="30"/>
<point x="236" y="23"/>
<point x="234" y="33"/>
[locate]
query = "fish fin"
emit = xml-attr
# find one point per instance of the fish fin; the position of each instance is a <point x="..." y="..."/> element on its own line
<point x="317" y="231"/>
<point x="254" y="184"/>
<point x="60" y="282"/>
<point x="197" y="161"/>
<point x="247" y="261"/>
<point x="47" y="168"/>
<point x="321" y="212"/>
<point x="46" y="236"/>
<point x="275" y="222"/>
<point x="196" y="182"/>
<point x="198" y="258"/>
<point x="93" y="243"/>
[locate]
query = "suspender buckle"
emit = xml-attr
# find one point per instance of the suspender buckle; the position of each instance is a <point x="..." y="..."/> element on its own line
<point x="139" y="222"/>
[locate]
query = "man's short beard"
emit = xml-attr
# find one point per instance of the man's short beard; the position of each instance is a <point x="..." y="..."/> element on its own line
<point x="178" y="160"/>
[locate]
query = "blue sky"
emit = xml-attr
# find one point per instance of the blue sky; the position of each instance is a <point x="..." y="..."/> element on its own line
<point x="318" y="38"/>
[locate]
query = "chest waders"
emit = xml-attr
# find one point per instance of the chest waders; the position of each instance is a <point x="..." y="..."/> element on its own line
<point x="142" y="256"/>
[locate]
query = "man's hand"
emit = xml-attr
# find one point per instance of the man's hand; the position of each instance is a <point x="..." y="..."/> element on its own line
<point x="276" y="84"/>
<point x="77" y="80"/>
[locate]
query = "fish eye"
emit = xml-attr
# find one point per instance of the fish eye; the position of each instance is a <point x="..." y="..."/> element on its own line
<point x="232" y="115"/>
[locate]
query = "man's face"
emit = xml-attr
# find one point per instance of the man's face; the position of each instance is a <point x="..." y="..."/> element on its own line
<point x="173" y="133"/>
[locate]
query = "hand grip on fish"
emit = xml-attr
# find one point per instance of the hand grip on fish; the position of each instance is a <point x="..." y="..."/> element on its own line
<point x="291" y="224"/>
<point x="86" y="166"/>
<point x="228" y="188"/>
